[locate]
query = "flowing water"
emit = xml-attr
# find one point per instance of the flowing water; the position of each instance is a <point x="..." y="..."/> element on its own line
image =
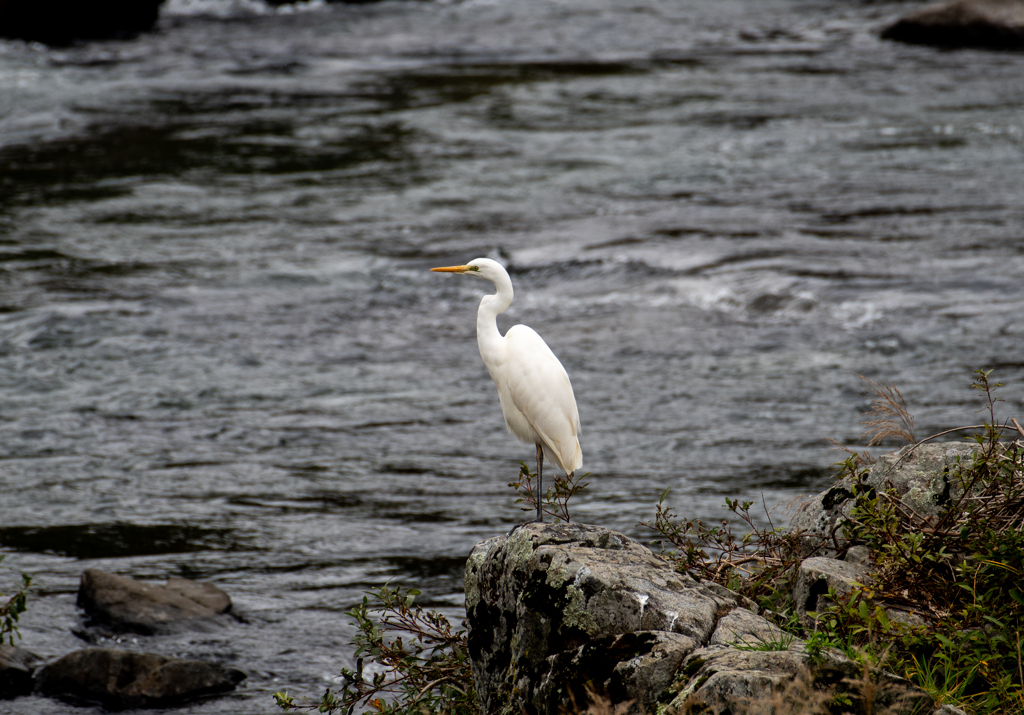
<point x="222" y="355"/>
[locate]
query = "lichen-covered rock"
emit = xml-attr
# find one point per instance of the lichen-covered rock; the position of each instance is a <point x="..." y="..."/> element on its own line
<point x="121" y="603"/>
<point x="557" y="610"/>
<point x="817" y="575"/>
<point x="720" y="680"/>
<point x="924" y="479"/>
<point x="16" y="668"/>
<point x="989" y="24"/>
<point x="119" y="680"/>
<point x="742" y="628"/>
<point x="633" y="667"/>
<point x="550" y="607"/>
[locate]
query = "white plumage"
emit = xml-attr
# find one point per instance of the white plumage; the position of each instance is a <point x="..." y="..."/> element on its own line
<point x="535" y="393"/>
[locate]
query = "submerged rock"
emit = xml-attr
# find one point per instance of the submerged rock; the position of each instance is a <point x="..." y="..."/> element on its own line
<point x="60" y="22"/>
<point x="987" y="24"/>
<point x="554" y="609"/>
<point x="16" y="668"/>
<point x="124" y="604"/>
<point x="120" y="680"/>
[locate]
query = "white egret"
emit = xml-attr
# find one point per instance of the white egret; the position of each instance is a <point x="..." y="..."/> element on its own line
<point x="533" y="387"/>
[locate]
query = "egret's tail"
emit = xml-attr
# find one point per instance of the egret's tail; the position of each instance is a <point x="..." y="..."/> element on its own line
<point x="574" y="461"/>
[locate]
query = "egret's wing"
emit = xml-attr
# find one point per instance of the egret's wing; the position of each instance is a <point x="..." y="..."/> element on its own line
<point x="539" y="387"/>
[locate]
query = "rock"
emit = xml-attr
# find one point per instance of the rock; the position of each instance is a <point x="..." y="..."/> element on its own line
<point x="988" y="24"/>
<point x="16" y="668"/>
<point x="924" y="480"/>
<point x="60" y="22"/>
<point x="720" y="679"/>
<point x="551" y="607"/>
<point x="858" y="555"/>
<point x="741" y="628"/>
<point x="556" y="609"/>
<point x="120" y="680"/>
<point x="632" y="667"/>
<point x="205" y="594"/>
<point x="124" y="604"/>
<point x="817" y="575"/>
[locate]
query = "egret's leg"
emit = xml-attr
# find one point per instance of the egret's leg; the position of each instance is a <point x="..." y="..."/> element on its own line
<point x="540" y="482"/>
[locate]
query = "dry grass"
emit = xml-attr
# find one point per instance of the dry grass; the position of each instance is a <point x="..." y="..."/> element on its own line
<point x="888" y="416"/>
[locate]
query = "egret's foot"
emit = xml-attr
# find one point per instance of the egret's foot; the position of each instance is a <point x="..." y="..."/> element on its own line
<point x="525" y="523"/>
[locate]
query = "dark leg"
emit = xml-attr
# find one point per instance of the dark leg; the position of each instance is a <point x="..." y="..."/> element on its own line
<point x="540" y="483"/>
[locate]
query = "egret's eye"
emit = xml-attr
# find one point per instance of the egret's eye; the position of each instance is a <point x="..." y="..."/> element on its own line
<point x="474" y="268"/>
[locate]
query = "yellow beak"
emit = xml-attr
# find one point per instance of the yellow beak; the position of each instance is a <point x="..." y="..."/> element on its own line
<point x="451" y="269"/>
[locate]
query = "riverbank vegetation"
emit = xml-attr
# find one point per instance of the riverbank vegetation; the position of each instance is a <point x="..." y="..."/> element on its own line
<point x="959" y="575"/>
<point x="11" y="608"/>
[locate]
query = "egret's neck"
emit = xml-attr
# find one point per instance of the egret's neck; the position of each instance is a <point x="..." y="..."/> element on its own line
<point x="487" y="335"/>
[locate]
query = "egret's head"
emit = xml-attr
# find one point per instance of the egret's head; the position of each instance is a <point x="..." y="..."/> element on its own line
<point x="478" y="267"/>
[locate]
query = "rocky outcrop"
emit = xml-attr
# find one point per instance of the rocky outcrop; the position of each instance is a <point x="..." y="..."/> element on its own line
<point x="988" y="24"/>
<point x="555" y="611"/>
<point x="120" y="603"/>
<point x="548" y="601"/>
<point x="120" y="680"/>
<point x="923" y="478"/>
<point x="16" y="669"/>
<point x="60" y="22"/>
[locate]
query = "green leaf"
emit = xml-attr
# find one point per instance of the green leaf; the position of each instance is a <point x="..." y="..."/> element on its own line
<point x="994" y="621"/>
<point x="883" y="617"/>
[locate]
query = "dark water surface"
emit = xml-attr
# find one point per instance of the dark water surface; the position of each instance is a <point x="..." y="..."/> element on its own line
<point x="222" y="355"/>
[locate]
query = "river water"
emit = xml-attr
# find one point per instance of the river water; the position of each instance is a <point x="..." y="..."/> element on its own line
<point x="222" y="355"/>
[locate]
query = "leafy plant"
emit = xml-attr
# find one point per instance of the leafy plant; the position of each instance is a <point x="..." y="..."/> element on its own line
<point x="945" y="607"/>
<point x="11" y="611"/>
<point x="420" y="665"/>
<point x="555" y="501"/>
<point x="761" y="564"/>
